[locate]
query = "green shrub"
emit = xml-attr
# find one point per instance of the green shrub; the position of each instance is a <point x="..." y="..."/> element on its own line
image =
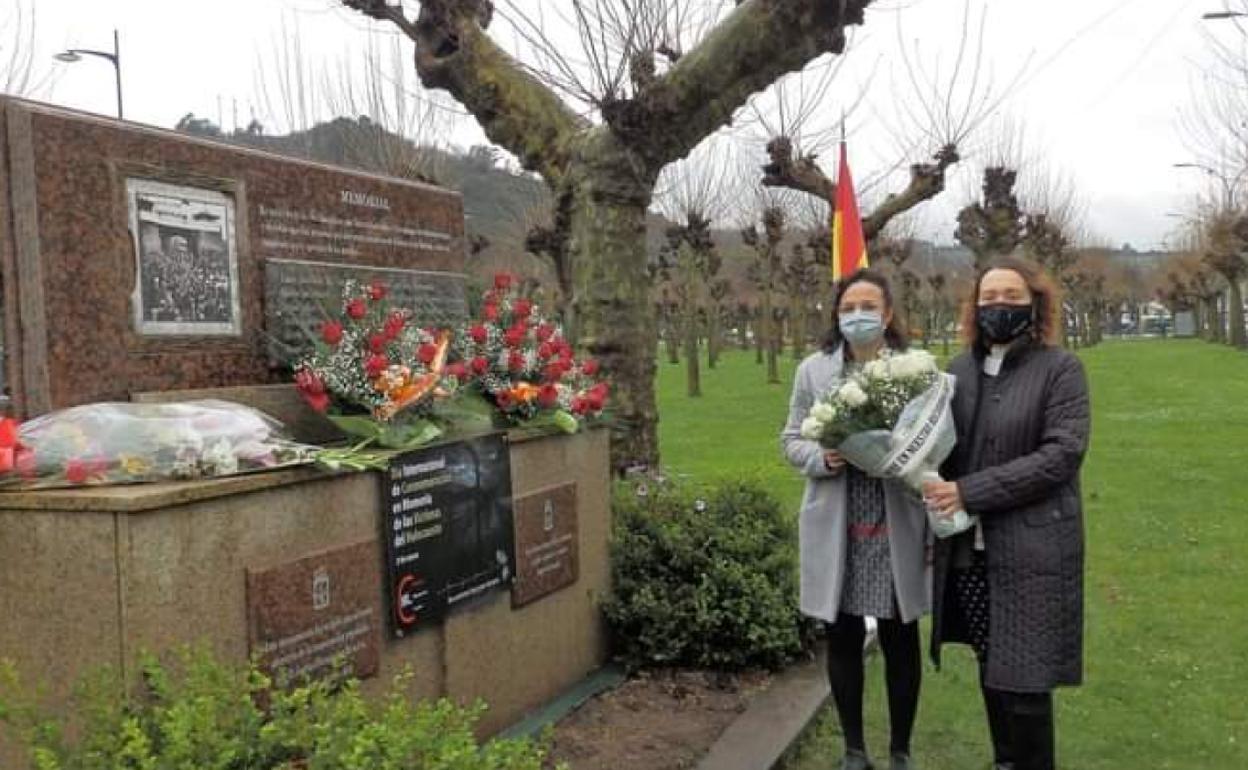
<point x="703" y="576"/>
<point x="203" y="715"/>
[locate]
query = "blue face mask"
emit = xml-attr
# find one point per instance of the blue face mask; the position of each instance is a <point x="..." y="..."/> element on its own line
<point x="861" y="327"/>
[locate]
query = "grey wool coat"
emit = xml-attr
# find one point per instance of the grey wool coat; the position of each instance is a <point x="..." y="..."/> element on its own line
<point x="823" y="522"/>
<point x="1017" y="466"/>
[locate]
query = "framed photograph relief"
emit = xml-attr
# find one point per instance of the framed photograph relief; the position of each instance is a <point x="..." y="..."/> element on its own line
<point x="186" y="258"/>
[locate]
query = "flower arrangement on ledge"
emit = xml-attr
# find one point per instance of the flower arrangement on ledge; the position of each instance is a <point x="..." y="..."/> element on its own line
<point x="518" y="359"/>
<point x="125" y="443"/>
<point x="374" y="373"/>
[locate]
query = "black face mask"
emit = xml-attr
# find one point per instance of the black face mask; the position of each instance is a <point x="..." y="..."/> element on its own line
<point x="1001" y="323"/>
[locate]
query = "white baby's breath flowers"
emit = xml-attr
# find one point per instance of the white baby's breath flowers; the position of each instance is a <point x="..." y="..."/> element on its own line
<point x="823" y="412"/>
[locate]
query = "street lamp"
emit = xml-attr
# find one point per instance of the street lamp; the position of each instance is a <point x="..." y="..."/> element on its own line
<point x="1227" y="184"/>
<point x="75" y="54"/>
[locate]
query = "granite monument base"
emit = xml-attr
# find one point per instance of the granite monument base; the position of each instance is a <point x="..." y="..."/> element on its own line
<point x="94" y="577"/>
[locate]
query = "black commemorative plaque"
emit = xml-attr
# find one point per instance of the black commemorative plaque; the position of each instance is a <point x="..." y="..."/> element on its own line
<point x="447" y="520"/>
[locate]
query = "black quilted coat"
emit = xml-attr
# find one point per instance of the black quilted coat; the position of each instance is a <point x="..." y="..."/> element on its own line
<point x="1021" y="440"/>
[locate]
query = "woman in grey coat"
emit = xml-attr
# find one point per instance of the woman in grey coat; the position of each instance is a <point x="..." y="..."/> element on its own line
<point x="1013" y="588"/>
<point x="862" y="540"/>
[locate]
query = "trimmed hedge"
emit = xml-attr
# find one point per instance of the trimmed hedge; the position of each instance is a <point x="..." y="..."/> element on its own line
<point x="704" y="576"/>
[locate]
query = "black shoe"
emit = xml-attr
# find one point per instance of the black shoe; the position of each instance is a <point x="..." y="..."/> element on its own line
<point x="856" y="760"/>
<point x="901" y="761"/>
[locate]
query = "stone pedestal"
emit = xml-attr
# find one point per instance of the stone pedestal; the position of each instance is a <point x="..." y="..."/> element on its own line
<point x="92" y="577"/>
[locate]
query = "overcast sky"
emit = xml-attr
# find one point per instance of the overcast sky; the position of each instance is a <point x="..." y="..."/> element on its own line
<point x="1103" y="79"/>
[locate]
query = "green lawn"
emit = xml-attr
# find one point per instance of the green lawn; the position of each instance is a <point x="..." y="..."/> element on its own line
<point x="1166" y="498"/>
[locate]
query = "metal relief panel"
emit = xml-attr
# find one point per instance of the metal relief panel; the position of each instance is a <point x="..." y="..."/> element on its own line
<point x="301" y="294"/>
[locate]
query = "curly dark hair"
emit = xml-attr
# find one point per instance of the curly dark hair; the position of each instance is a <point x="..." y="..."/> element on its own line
<point x="895" y="336"/>
<point x="1046" y="301"/>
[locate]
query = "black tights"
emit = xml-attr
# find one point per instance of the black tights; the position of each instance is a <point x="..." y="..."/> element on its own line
<point x="903" y="672"/>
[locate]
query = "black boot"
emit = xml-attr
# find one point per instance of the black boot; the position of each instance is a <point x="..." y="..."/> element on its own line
<point x="1031" y="730"/>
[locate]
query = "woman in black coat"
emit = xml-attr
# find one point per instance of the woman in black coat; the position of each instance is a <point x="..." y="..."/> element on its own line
<point x="1012" y="587"/>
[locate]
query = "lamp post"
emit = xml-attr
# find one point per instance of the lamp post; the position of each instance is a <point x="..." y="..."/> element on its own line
<point x="76" y="54"/>
<point x="1228" y="185"/>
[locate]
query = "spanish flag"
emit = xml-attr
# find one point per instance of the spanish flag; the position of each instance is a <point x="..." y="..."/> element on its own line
<point x="849" y="246"/>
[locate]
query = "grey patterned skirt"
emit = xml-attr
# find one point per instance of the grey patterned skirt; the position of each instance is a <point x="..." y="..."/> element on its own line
<point x="868" y="588"/>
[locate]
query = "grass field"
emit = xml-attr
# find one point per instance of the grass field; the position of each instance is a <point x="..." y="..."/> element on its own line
<point x="1166" y="502"/>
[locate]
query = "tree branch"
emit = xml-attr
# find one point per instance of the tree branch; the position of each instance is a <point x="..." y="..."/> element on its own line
<point x="756" y="44"/>
<point x="801" y="174"/>
<point x="515" y="109"/>
<point x="927" y="180"/>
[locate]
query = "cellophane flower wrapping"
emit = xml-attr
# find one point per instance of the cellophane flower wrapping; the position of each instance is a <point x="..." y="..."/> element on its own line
<point x="893" y="418"/>
<point x="124" y="443"/>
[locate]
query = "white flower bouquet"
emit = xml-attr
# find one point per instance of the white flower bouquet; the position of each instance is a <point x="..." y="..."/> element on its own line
<point x="892" y="419"/>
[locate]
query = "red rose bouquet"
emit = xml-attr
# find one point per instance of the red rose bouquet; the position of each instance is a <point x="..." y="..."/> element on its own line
<point x="520" y="361"/>
<point x="374" y="373"/>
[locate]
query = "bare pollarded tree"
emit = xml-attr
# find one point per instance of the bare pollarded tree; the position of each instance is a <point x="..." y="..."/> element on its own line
<point x="693" y="194"/>
<point x="21" y="73"/>
<point x="634" y="86"/>
<point x="934" y="119"/>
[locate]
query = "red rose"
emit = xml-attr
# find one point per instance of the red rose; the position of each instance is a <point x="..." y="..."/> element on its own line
<point x="578" y="405"/>
<point x="522" y="308"/>
<point x="331" y="332"/>
<point x="427" y="353"/>
<point x="457" y="370"/>
<point x="545" y="351"/>
<point x="515" y="362"/>
<point x="357" y="309"/>
<point x="76" y="472"/>
<point x="548" y="396"/>
<point x="395" y="324"/>
<point x="590" y="367"/>
<point x="375" y="365"/>
<point x="479" y="334"/>
<point x="26" y="463"/>
<point x="377" y="342"/>
<point x="595" y="399"/>
<point x="480" y="365"/>
<point x="545" y="332"/>
<point x="490" y="312"/>
<point x="308" y="382"/>
<point x="504" y="400"/>
<point x="553" y="372"/>
<point x="377" y="291"/>
<point x="513" y="337"/>
<point x="502" y="281"/>
<point x="318" y="401"/>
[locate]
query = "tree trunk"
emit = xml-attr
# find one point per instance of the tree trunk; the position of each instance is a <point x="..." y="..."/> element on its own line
<point x="1235" y="312"/>
<point x="693" y="375"/>
<point x="797" y="327"/>
<point x="771" y="335"/>
<point x="760" y="336"/>
<point x="608" y="245"/>
<point x="671" y="337"/>
<point x="712" y="338"/>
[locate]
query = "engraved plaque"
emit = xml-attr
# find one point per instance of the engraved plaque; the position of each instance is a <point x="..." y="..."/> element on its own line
<point x="306" y="614"/>
<point x="546" y="543"/>
<point x="300" y="295"/>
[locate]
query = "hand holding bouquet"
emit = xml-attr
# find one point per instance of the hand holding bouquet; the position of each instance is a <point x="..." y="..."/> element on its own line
<point x="892" y="419"/>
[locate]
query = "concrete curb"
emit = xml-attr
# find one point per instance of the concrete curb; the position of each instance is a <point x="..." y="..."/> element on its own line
<point x="775" y="718"/>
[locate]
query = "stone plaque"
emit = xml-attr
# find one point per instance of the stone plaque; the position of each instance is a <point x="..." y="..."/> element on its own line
<point x="546" y="543"/>
<point x="135" y="259"/>
<point x="447" y="519"/>
<point x="300" y="294"/>
<point x="306" y="614"/>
